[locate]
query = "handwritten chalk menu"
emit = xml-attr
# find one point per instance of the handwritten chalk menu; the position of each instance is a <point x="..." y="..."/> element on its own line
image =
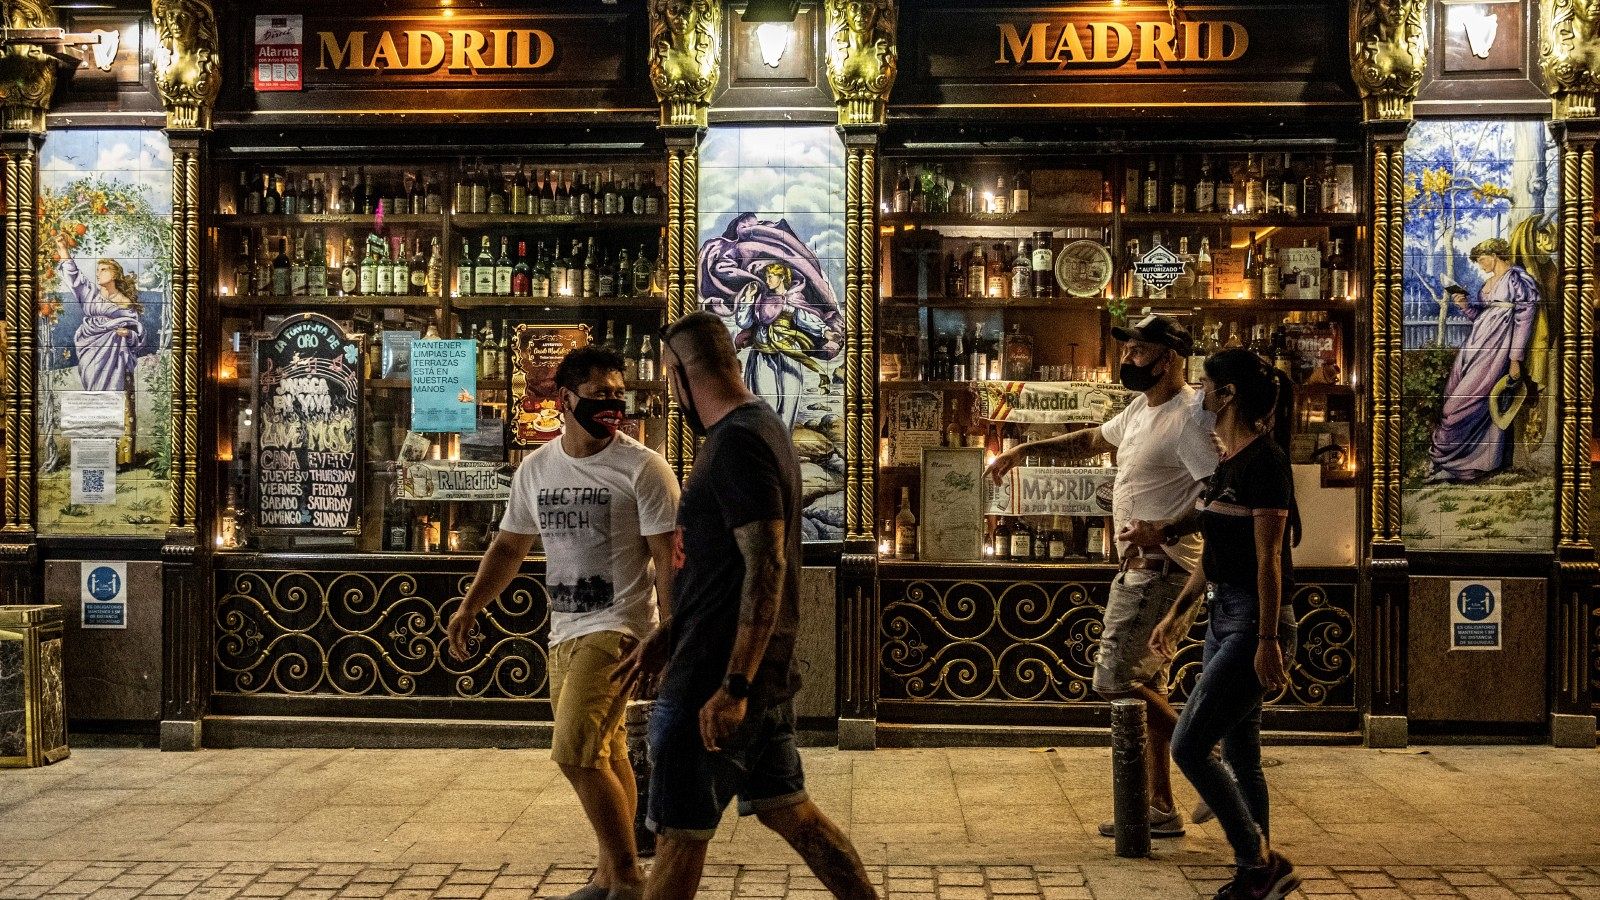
<point x="537" y="351"/>
<point x="308" y="402"/>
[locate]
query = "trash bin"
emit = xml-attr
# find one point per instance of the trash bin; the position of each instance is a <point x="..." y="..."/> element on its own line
<point x="33" y="720"/>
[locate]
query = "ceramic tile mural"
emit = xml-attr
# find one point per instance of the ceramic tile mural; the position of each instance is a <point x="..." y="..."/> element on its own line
<point x="105" y="256"/>
<point x="772" y="265"/>
<point x="1478" y="414"/>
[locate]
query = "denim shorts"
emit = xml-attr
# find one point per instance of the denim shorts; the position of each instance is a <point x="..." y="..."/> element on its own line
<point x="691" y="786"/>
<point x="1137" y="603"/>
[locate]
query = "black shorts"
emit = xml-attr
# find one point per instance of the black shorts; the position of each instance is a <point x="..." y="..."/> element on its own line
<point x="691" y="786"/>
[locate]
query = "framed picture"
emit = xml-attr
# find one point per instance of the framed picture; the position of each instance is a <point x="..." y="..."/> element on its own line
<point x="952" y="504"/>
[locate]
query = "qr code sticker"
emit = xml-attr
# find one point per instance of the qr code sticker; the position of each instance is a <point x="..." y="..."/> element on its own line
<point x="94" y="481"/>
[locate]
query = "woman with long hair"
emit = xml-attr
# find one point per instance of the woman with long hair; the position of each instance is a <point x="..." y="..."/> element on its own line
<point x="108" y="338"/>
<point x="1248" y="517"/>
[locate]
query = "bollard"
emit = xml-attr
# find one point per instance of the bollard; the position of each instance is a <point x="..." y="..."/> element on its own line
<point x="637" y="718"/>
<point x="1130" y="779"/>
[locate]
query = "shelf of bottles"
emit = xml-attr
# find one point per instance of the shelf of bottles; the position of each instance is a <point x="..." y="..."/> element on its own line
<point x="446" y="248"/>
<point x="1013" y="269"/>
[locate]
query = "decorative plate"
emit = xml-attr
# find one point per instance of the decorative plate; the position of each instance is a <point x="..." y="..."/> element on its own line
<point x="1083" y="268"/>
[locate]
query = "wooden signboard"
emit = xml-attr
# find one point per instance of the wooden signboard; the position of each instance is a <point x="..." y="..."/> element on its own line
<point x="536" y="351"/>
<point x="308" y="426"/>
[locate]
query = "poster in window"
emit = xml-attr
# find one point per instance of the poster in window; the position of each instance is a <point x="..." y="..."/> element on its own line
<point x="952" y="504"/>
<point x="308" y="398"/>
<point x="537" y="350"/>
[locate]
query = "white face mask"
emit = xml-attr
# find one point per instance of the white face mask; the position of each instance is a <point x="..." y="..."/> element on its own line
<point x="1204" y="418"/>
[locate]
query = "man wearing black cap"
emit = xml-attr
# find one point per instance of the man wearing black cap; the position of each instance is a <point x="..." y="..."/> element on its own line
<point x="1164" y="449"/>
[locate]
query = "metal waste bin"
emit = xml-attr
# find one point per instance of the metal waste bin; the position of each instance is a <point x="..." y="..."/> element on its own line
<point x="33" y="720"/>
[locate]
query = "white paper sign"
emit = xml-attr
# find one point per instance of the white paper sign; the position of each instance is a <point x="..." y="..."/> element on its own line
<point x="91" y="414"/>
<point x="1475" y="615"/>
<point x="103" y="594"/>
<point x="94" y="470"/>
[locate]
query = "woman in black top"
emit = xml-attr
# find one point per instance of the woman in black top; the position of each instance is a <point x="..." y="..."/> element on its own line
<point x="1249" y="520"/>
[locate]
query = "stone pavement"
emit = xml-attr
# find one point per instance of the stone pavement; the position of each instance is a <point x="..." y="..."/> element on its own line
<point x="935" y="824"/>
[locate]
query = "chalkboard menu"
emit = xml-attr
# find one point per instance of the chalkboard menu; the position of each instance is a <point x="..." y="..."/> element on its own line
<point x="308" y="424"/>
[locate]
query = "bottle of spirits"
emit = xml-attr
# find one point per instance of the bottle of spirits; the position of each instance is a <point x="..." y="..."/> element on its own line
<point x="999" y="274"/>
<point x="244" y="270"/>
<point x="591" y="269"/>
<point x="905" y="528"/>
<point x="522" y="273"/>
<point x="1021" y="540"/>
<point x="630" y="359"/>
<point x="242" y="192"/>
<point x="502" y="269"/>
<point x="1271" y="273"/>
<point x="624" y="274"/>
<point x="349" y="270"/>
<point x="1022" y="272"/>
<point x="435" y="273"/>
<point x="642" y="269"/>
<point x="1178" y="201"/>
<point x="1290" y="205"/>
<point x="298" y="279"/>
<point x="978" y="362"/>
<point x="1310" y="188"/>
<point x="1001" y="541"/>
<point x="1000" y="200"/>
<point x="519" y="192"/>
<point x="585" y="194"/>
<point x="959" y="359"/>
<point x="280" y="269"/>
<point x="1095" y="540"/>
<point x="1338" y="271"/>
<point x="1057" y="540"/>
<point x="1255" y="194"/>
<point x="480" y="189"/>
<point x="647" y="357"/>
<point x="539" y="274"/>
<point x="547" y="195"/>
<point x="610" y="195"/>
<point x="901" y="202"/>
<point x="417" y="276"/>
<point x="1274" y="185"/>
<point x="464" y="280"/>
<point x="1204" y="271"/>
<point x="1227" y="194"/>
<point x="1183" y="287"/>
<point x="1252" y="270"/>
<point x="271" y="200"/>
<point x="400" y="269"/>
<point x="1152" y="187"/>
<point x="566" y="200"/>
<point x="605" y="276"/>
<point x="977" y="272"/>
<point x="291" y="200"/>
<point x="1328" y="189"/>
<point x="1018" y="354"/>
<point x="1021" y="192"/>
<point x="1042" y="267"/>
<point x="383" y="272"/>
<point x="1205" y="188"/>
<point x="483" y="270"/>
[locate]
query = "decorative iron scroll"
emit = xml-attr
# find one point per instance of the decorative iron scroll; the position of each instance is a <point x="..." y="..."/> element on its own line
<point x="375" y="634"/>
<point x="972" y="641"/>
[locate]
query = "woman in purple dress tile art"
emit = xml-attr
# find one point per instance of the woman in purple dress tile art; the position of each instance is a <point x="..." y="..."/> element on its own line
<point x="1467" y="445"/>
<point x="111" y="333"/>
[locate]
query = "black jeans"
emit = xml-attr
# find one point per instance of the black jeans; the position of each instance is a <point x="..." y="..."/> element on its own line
<point x="1226" y="707"/>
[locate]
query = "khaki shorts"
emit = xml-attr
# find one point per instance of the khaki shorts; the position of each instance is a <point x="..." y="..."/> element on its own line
<point x="589" y="706"/>
<point x="1137" y="603"/>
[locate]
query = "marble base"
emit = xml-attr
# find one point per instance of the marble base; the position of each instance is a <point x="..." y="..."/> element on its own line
<point x="1572" y="730"/>
<point x="1385" y="732"/>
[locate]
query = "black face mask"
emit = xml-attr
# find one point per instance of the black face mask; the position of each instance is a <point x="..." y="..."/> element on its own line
<point x="1138" y="378"/>
<point x="601" y="418"/>
<point x="691" y="416"/>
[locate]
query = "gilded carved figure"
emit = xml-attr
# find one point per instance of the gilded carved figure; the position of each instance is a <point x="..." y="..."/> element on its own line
<point x="1388" y="52"/>
<point x="188" y="70"/>
<point x="683" y="56"/>
<point x="27" y="73"/>
<point x="1569" y="54"/>
<point x="861" y="56"/>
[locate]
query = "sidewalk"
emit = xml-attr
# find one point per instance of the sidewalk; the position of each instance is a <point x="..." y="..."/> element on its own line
<point x="951" y="824"/>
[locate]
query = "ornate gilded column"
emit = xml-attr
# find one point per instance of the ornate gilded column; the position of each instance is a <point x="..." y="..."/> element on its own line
<point x="1388" y="51"/>
<point x="685" y="52"/>
<point x="862" y="61"/>
<point x="1569" y="42"/>
<point x="188" y="75"/>
<point x="26" y="83"/>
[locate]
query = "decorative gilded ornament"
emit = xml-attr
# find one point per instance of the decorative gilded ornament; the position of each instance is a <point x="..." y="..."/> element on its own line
<point x="1388" y="51"/>
<point x="1569" y="55"/>
<point x="685" y="43"/>
<point x="27" y="73"/>
<point x="188" y="66"/>
<point x="862" y="59"/>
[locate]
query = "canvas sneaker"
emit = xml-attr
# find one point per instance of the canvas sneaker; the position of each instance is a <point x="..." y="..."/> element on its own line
<point x="1162" y="825"/>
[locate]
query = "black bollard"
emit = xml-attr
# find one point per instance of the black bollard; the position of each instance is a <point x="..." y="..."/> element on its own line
<point x="638" y="724"/>
<point x="1130" y="779"/>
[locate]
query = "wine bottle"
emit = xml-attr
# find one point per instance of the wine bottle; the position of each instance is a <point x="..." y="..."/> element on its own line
<point x="418" y="274"/>
<point x="522" y="273"/>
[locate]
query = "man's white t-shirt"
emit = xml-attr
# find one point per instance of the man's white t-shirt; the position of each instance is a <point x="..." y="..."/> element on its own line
<point x="1162" y="453"/>
<point x="593" y="514"/>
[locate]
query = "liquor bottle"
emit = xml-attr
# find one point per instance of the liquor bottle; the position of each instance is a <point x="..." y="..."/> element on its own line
<point x="630" y="361"/>
<point x="400" y="269"/>
<point x="1095" y="540"/>
<point x="483" y="270"/>
<point x="998" y="274"/>
<point x="585" y="195"/>
<point x="1001" y="542"/>
<point x="1274" y="186"/>
<point x="642" y="270"/>
<point x="540" y="276"/>
<point x="271" y="200"/>
<point x="1022" y="272"/>
<point x="1056" y="540"/>
<point x="610" y="195"/>
<point x="432" y="198"/>
<point x="978" y="364"/>
<point x="244" y="270"/>
<point x="382" y="273"/>
<point x="977" y="272"/>
<point x="519" y="192"/>
<point x="253" y="194"/>
<point x="1290" y="205"/>
<point x="605" y="284"/>
<point x="280" y="269"/>
<point x="1195" y="364"/>
<point x="565" y="200"/>
<point x="480" y="189"/>
<point x="635" y="195"/>
<point x="1131" y="286"/>
<point x="624" y="273"/>
<point x="416" y="198"/>
<point x="1234" y="341"/>
<point x="1205" y="188"/>
<point x="499" y="198"/>
<point x="290" y="202"/>
<point x="1183" y="286"/>
<point x="1310" y="189"/>
<point x="654" y="199"/>
<point x="1178" y="201"/>
<point x="560" y="277"/>
<point x="1255" y="200"/>
<point x="1328" y="189"/>
<point x="591" y="271"/>
<point x="1271" y="274"/>
<point x="1152" y="188"/>
<point x="297" y="267"/>
<point x="1002" y="197"/>
<point x="1252" y="270"/>
<point x="959" y="358"/>
<point x="435" y="275"/>
<point x="1042" y="267"/>
<point x="1018" y="354"/>
<point x="502" y="269"/>
<point x="365" y="195"/>
<point x="905" y="528"/>
<point x="1204" y="272"/>
<point x="901" y="202"/>
<point x="522" y="273"/>
<point x="349" y="277"/>
<point x="647" y="357"/>
<point x="1227" y="194"/>
<point x="418" y="270"/>
<point x="1021" y="540"/>
<point x="242" y="192"/>
<point x="1338" y="271"/>
<point x="464" y="280"/>
<point x="1021" y="192"/>
<point x="547" y="195"/>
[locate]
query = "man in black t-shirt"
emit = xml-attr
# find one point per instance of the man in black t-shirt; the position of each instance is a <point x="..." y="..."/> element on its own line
<point x="723" y="723"/>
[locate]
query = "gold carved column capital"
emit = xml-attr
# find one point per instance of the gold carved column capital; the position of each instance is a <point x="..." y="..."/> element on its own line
<point x="862" y="58"/>
<point x="1569" y="55"/>
<point x="188" y="61"/>
<point x="27" y="72"/>
<point x="685" y="51"/>
<point x="1388" y="52"/>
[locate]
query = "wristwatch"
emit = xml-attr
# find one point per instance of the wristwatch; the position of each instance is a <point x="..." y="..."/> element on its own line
<point x="737" y="686"/>
<point x="1169" y="535"/>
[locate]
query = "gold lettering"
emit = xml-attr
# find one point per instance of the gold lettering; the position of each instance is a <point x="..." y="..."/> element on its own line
<point x="435" y="53"/>
<point x="1019" y="47"/>
<point x="1070" y="45"/>
<point x="353" y="51"/>
<point x="1102" y="51"/>
<point x="525" y="57"/>
<point x="1191" y="42"/>
<point x="501" y="53"/>
<point x="1155" y="42"/>
<point x="1241" y="41"/>
<point x="386" y="55"/>
<point x="466" y="50"/>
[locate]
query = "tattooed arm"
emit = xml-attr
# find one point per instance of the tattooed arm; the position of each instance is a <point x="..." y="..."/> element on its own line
<point x="763" y="546"/>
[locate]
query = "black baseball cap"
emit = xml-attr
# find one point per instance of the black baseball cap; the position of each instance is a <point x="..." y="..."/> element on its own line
<point x="1163" y="330"/>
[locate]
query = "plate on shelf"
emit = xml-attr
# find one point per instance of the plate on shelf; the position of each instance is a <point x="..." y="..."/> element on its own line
<point x="1083" y="268"/>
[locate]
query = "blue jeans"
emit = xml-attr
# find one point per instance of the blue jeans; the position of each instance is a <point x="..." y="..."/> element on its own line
<point x="1226" y="707"/>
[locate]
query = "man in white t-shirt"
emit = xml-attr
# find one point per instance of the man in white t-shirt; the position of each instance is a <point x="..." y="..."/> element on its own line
<point x="606" y="508"/>
<point x="1164" y="450"/>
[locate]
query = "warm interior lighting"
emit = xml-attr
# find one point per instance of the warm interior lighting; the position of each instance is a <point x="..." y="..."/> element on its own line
<point x="774" y="40"/>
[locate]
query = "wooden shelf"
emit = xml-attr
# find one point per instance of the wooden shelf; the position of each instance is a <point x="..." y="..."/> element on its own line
<point x="483" y="220"/>
<point x="651" y="303"/>
<point x="229" y="301"/>
<point x="1083" y="304"/>
<point x="1038" y="221"/>
<point x="262" y="220"/>
<point x="903" y="385"/>
<point x="1311" y="220"/>
<point x="1078" y="304"/>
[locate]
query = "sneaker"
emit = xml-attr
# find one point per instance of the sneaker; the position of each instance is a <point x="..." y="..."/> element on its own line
<point x="1201" y="813"/>
<point x="1162" y="825"/>
<point x="1274" y="881"/>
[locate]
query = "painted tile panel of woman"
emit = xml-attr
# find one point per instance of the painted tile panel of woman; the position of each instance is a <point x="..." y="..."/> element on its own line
<point x="109" y="337"/>
<point x="1467" y="444"/>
